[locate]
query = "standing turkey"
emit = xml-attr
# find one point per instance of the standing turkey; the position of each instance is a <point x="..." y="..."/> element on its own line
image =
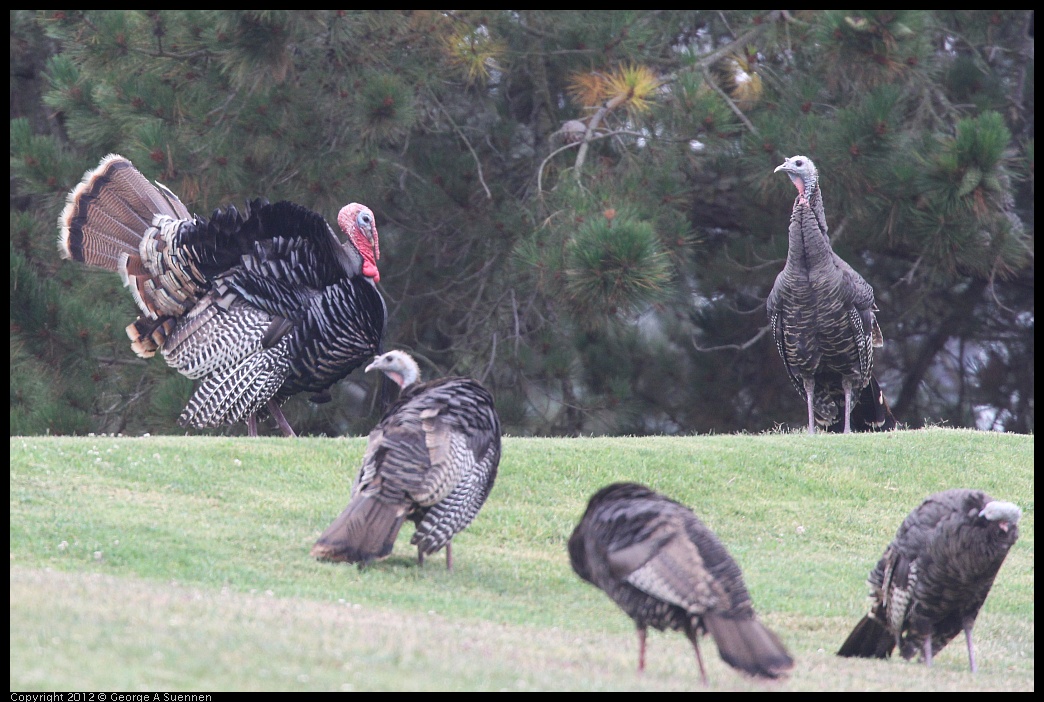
<point x="256" y="305"/>
<point x="934" y="576"/>
<point x="666" y="569"/>
<point x="822" y="317"/>
<point x="432" y="458"/>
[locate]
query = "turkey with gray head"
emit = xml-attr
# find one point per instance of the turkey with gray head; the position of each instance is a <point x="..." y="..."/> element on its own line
<point x="432" y="459"/>
<point x="934" y="576"/>
<point x="256" y="305"/>
<point x="663" y="567"/>
<point x="822" y="318"/>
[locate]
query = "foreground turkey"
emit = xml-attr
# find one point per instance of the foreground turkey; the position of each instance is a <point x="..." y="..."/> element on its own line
<point x="934" y="576"/>
<point x="822" y="317"/>
<point x="256" y="305"/>
<point x="432" y="459"/>
<point x="665" y="569"/>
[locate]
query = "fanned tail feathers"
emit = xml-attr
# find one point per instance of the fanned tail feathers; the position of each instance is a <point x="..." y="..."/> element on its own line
<point x="117" y="220"/>
<point x="107" y="214"/>
<point x="258" y="304"/>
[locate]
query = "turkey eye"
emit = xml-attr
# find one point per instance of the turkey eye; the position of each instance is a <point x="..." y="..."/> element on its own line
<point x="799" y="163"/>
<point x="364" y="220"/>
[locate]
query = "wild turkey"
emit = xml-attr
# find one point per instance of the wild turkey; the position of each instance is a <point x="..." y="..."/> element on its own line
<point x="432" y="458"/>
<point x="934" y="576"/>
<point x="822" y="317"/>
<point x="665" y="569"/>
<point x="257" y="305"/>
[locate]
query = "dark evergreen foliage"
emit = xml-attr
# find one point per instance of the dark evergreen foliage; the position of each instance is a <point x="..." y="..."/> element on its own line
<point x="502" y="151"/>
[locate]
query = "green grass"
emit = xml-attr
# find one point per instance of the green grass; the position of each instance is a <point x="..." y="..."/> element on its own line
<point x="182" y="563"/>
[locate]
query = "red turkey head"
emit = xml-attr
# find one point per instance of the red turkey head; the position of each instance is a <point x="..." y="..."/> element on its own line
<point x="357" y="223"/>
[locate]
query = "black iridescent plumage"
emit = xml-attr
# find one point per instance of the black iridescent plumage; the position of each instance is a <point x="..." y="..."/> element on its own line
<point x="256" y="305"/>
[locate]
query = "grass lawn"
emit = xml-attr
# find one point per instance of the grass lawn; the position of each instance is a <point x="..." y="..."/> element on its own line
<point x="182" y="563"/>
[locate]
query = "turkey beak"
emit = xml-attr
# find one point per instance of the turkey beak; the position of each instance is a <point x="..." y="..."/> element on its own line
<point x="1003" y="526"/>
<point x="797" y="180"/>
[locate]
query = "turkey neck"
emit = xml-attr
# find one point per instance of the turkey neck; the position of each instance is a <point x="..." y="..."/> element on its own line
<point x="809" y="246"/>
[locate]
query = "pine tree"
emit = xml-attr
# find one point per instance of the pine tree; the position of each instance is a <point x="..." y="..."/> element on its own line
<point x="576" y="207"/>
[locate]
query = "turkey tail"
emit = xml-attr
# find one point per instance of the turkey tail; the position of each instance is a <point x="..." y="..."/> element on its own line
<point x="875" y="412"/>
<point x="363" y="532"/>
<point x="870" y="413"/>
<point x="869" y="639"/>
<point x="108" y="213"/>
<point x="747" y="645"/>
<point x="106" y="222"/>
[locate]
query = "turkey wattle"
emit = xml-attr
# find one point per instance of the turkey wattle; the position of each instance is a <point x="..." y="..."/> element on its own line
<point x="255" y="305"/>
<point x="822" y="317"/>
<point x="934" y="577"/>
<point x="431" y="459"/>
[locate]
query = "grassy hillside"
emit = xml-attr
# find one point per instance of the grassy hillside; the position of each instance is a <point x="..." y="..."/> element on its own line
<point x="182" y="563"/>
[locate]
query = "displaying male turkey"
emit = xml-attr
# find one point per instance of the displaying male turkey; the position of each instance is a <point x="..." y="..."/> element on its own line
<point x="822" y="317"/>
<point x="934" y="576"/>
<point x="256" y="305"/>
<point x="666" y="569"/>
<point x="432" y="459"/>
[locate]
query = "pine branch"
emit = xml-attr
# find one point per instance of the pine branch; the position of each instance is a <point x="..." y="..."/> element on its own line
<point x="733" y="347"/>
<point x="596" y="119"/>
<point x="728" y="101"/>
<point x="560" y="149"/>
<point x="478" y="163"/>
